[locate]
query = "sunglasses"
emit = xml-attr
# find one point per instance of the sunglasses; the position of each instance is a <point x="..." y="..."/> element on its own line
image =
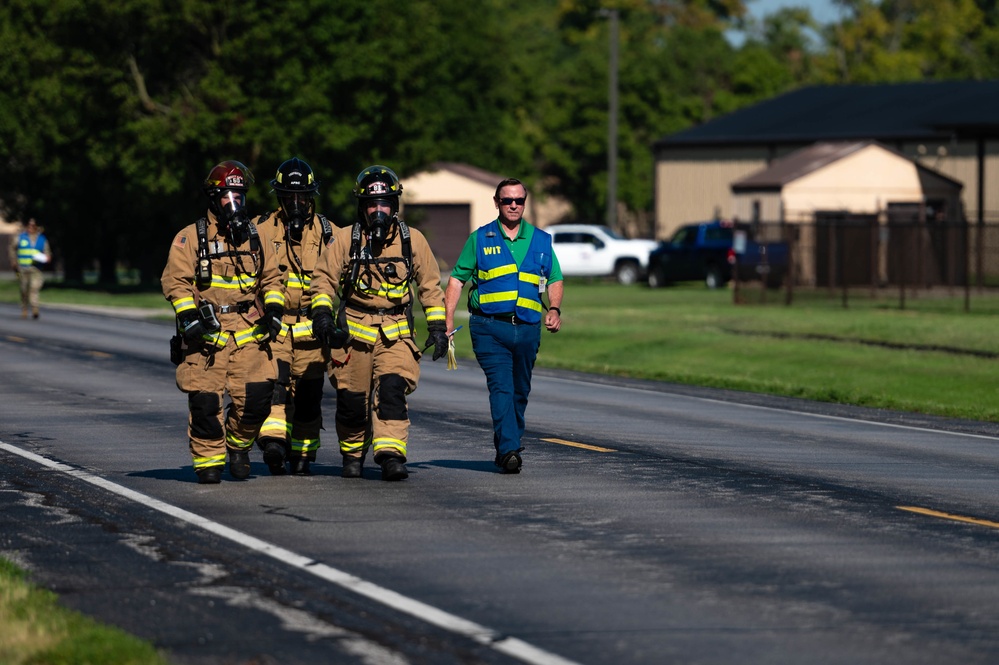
<point x="508" y="201"/>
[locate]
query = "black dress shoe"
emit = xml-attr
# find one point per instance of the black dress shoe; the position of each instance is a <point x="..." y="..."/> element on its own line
<point x="511" y="463"/>
<point x="239" y="464"/>
<point x="352" y="467"/>
<point x="210" y="475"/>
<point x="300" y="466"/>
<point x="393" y="468"/>
<point x="274" y="457"/>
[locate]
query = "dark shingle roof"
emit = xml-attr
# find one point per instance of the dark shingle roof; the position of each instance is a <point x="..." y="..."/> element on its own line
<point x="926" y="111"/>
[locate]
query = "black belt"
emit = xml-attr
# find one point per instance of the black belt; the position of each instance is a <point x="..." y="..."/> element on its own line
<point x="505" y="318"/>
<point x="240" y="307"/>
<point x="380" y="311"/>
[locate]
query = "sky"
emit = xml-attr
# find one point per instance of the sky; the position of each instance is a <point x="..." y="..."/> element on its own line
<point x="824" y="11"/>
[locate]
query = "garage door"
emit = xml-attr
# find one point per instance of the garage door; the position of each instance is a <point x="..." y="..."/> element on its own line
<point x="446" y="228"/>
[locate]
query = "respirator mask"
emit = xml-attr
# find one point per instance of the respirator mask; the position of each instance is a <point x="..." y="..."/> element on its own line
<point x="379" y="222"/>
<point x="233" y="217"/>
<point x="298" y="211"/>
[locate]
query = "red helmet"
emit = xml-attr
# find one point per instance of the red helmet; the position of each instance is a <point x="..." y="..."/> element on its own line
<point x="230" y="174"/>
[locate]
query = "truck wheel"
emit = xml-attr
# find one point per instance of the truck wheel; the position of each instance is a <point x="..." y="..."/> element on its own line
<point x="713" y="278"/>
<point x="627" y="272"/>
<point x="656" y="278"/>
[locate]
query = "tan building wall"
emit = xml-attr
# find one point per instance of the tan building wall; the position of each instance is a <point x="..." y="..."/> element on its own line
<point x="446" y="187"/>
<point x="692" y="183"/>
<point x="863" y="183"/>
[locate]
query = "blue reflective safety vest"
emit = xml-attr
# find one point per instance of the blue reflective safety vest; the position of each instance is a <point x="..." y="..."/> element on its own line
<point x="26" y="250"/>
<point x="503" y="287"/>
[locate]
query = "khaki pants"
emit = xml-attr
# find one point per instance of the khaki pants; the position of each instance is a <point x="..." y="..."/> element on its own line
<point x="31" y="280"/>
<point x="378" y="377"/>
<point x="246" y="374"/>
<point x="296" y="416"/>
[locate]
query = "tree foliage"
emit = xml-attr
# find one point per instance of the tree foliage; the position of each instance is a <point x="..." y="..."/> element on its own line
<point x="111" y="113"/>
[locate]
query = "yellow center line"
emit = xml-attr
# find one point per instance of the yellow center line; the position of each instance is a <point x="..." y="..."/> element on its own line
<point x="99" y="354"/>
<point x="948" y="516"/>
<point x="13" y="338"/>
<point x="576" y="444"/>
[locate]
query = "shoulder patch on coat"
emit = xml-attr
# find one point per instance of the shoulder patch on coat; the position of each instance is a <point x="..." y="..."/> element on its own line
<point x="180" y="241"/>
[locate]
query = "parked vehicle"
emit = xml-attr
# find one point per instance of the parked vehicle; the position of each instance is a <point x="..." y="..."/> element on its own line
<point x="712" y="251"/>
<point x="591" y="250"/>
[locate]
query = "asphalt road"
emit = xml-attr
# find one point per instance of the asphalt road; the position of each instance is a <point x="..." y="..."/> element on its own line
<point x="652" y="523"/>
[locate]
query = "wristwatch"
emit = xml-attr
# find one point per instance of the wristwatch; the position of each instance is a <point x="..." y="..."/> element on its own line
<point x="557" y="310"/>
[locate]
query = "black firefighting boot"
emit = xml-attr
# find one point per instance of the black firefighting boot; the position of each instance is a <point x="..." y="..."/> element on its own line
<point x="300" y="466"/>
<point x="393" y="468"/>
<point x="239" y="464"/>
<point x="210" y="475"/>
<point x="274" y="457"/>
<point x="352" y="466"/>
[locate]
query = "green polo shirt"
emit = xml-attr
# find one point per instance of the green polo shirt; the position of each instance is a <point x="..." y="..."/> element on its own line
<point x="465" y="268"/>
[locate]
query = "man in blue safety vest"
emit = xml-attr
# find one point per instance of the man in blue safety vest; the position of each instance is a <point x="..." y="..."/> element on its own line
<point x="511" y="265"/>
<point x="29" y="252"/>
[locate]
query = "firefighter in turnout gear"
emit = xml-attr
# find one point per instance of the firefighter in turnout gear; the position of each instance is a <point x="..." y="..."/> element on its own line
<point x="293" y="236"/>
<point x="376" y="268"/>
<point x="229" y="302"/>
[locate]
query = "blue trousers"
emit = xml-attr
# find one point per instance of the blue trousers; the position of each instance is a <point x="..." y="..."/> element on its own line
<point x="506" y="352"/>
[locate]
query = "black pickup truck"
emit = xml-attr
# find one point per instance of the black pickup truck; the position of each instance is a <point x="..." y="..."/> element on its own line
<point x="712" y="252"/>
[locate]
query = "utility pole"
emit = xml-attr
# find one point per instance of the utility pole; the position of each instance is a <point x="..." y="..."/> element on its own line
<point x="612" y="122"/>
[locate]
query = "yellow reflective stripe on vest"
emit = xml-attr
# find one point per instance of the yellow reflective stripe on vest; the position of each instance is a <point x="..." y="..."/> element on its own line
<point x="527" y="303"/>
<point x="301" y="329"/>
<point x="242" y="282"/>
<point x="396" y="330"/>
<point x="502" y="296"/>
<point x="248" y="335"/>
<point x="363" y="333"/>
<point x="508" y="269"/>
<point x="219" y="339"/>
<point x="183" y="304"/>
<point x="530" y="278"/>
<point x="296" y="281"/>
<point x="386" y="290"/>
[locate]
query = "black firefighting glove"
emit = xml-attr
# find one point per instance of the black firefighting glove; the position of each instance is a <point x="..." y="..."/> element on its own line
<point x="190" y="326"/>
<point x="438" y="337"/>
<point x="271" y="321"/>
<point x="325" y="330"/>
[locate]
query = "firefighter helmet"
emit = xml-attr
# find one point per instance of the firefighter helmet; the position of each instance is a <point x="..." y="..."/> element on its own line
<point x="294" y="176"/>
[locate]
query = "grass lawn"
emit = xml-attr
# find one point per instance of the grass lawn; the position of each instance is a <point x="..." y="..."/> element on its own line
<point x="931" y="357"/>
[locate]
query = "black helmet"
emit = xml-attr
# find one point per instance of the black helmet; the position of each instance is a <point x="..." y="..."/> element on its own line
<point x="294" y="176"/>
<point x="296" y="187"/>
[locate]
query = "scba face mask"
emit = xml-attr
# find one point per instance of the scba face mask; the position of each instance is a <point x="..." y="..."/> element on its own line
<point x="378" y="227"/>
<point x="233" y="216"/>
<point x="298" y="212"/>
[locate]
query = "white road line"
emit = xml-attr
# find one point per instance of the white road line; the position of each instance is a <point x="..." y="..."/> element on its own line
<point x="712" y="400"/>
<point x="511" y="646"/>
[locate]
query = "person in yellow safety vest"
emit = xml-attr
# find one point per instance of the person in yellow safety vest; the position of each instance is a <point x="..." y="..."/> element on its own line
<point x="294" y="236"/>
<point x="29" y="251"/>
<point x="374" y="267"/>
<point x="215" y="276"/>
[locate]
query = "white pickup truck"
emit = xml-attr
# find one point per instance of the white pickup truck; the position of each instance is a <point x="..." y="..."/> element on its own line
<point x="590" y="250"/>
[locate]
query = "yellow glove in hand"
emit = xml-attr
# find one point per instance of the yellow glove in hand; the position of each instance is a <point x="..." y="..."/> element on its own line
<point x="451" y="362"/>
